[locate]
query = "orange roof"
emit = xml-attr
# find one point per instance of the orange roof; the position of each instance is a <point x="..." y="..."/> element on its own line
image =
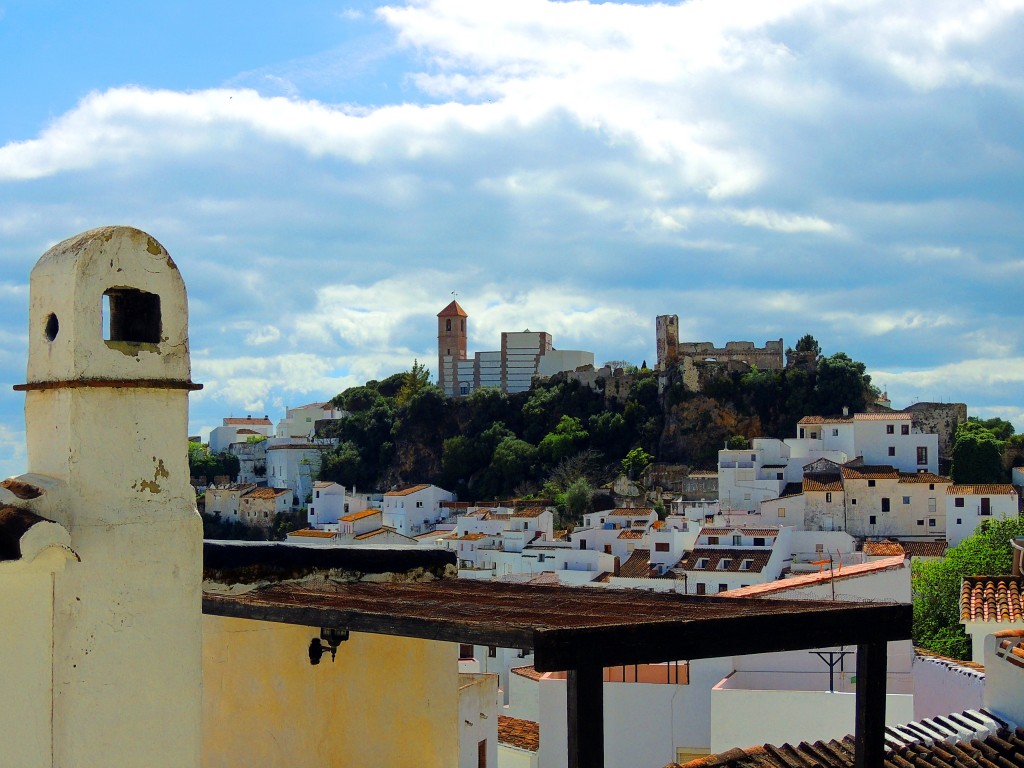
<point x="529" y="672"/>
<point x="925" y="548"/>
<point x="313" y="533"/>
<point x="407" y="491"/>
<point x="531" y="512"/>
<point x="264" y="422"/>
<point x="629" y="511"/>
<point x="818" y="483"/>
<point x="266" y="493"/>
<point x="992" y="598"/>
<point x="810" y="579"/>
<point x="375" y="532"/>
<point x="994" y="489"/>
<point x="637" y="565"/>
<point x="883" y="416"/>
<point x="469" y="537"/>
<point x="630" y="534"/>
<point x="453" y="310"/>
<point x="870" y="472"/>
<point x="922" y="477"/>
<point x="883" y="548"/>
<point x="523" y="734"/>
<point x="351" y="518"/>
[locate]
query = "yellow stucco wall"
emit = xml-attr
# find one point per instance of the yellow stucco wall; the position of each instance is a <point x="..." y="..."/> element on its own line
<point x="385" y="701"/>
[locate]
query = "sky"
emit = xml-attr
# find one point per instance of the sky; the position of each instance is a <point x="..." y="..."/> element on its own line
<point x="327" y="174"/>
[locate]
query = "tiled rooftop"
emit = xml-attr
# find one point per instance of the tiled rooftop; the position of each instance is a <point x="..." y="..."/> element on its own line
<point x="631" y="534"/>
<point x="264" y="422"/>
<point x="819" y="482"/>
<point x="1005" y="749"/>
<point x="352" y="517"/>
<point x="715" y="556"/>
<point x="884" y="548"/>
<point x="629" y="511"/>
<point x="313" y="533"/>
<point x="925" y="548"/>
<point x="407" y="491"/>
<point x="992" y="598"/>
<point x="869" y="472"/>
<point x="994" y="489"/>
<point x="637" y="565"/>
<point x="513" y="732"/>
<point x="529" y="512"/>
<point x="266" y="493"/>
<point x="922" y="477"/>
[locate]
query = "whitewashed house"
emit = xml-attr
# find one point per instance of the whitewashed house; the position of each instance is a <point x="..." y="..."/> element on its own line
<point x="301" y="422"/>
<point x="226" y="500"/>
<point x="223" y="436"/>
<point x="416" y="508"/>
<point x="877" y="438"/>
<point x="329" y="503"/>
<point x="293" y="463"/>
<point x="967" y="506"/>
<point x="260" y="506"/>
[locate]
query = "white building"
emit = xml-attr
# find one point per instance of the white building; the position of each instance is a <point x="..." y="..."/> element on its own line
<point x="724" y="559"/>
<point x="416" y="508"/>
<point x="226" y="500"/>
<point x="301" y="422"/>
<point x="967" y="506"/>
<point x="614" y="531"/>
<point x="223" y="436"/>
<point x="293" y="463"/>
<point x="328" y="504"/>
<point x="877" y="438"/>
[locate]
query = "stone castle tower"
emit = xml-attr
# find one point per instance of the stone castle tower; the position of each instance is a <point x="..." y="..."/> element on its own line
<point x="667" y="330"/>
<point x="106" y="410"/>
<point x="451" y="345"/>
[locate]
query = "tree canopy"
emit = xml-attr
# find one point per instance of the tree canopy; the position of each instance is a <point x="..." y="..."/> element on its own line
<point x="977" y="455"/>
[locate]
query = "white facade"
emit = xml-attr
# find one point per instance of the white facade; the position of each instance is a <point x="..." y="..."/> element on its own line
<point x="223" y="436"/>
<point x="878" y="438"/>
<point x="226" y="500"/>
<point x="478" y="720"/>
<point x="750" y="476"/>
<point x="292" y="463"/>
<point x="415" y="509"/>
<point x="301" y="422"/>
<point x="328" y="504"/>
<point x="967" y="506"/>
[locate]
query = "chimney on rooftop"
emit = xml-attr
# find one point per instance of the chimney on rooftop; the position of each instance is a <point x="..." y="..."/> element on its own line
<point x="846" y="410"/>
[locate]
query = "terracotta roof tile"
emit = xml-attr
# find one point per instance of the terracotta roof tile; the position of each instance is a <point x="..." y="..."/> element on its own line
<point x="408" y="490"/>
<point x="264" y="422"/>
<point x="453" y="310"/>
<point x="992" y="598"/>
<point x="313" y="533"/>
<point x="266" y="493"/>
<point x="351" y="518"/>
<point x="925" y="548"/>
<point x="630" y="534"/>
<point x="1004" y="748"/>
<point x="715" y="557"/>
<point x="530" y="672"/>
<point x="529" y="512"/>
<point x="469" y="537"/>
<point x="524" y="734"/>
<point x="981" y="490"/>
<point x="819" y="482"/>
<point x="885" y="548"/>
<point x="629" y="512"/>
<point x="922" y="477"/>
<point x="637" y="565"/>
<point x="869" y="472"/>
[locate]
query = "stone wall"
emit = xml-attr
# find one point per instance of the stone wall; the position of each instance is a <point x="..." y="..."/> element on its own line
<point x="941" y="419"/>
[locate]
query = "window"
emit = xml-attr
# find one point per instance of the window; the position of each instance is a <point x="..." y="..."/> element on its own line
<point x="318" y="494"/>
<point x="931" y="522"/>
<point x="492" y="651"/>
<point x="702" y="563"/>
<point x="906" y="499"/>
<point x="759" y="542"/>
<point x="746" y="565"/>
<point x="419" y="503"/>
<point x="814" y="435"/>
<point x="931" y="486"/>
<point x="465" y="651"/>
<point x="801" y="433"/>
<point x="131" y="315"/>
<point x="782" y="511"/>
<point x="871" y="483"/>
<point x="737" y="539"/>
<point x="712" y="539"/>
<point x="746" y="497"/>
<point x="724" y="564"/>
<point x="753" y="457"/>
<point x="922" y="455"/>
<point x="778" y="475"/>
<point x="723" y="587"/>
<point x="828" y="497"/>
<point x="890" y="429"/>
<point x="920" y="522"/>
<point x="959" y="521"/>
<point x="885" y="505"/>
<point x="892" y="450"/>
<point x="872" y="520"/>
<point x="819" y="548"/>
<point x="661" y="546"/>
<point x="835" y="433"/>
<point x="904" y="429"/>
<point x="986" y="506"/>
<point x="958" y="501"/>
<point x="448" y="324"/>
<point x="701" y="588"/>
<point x="853" y="502"/>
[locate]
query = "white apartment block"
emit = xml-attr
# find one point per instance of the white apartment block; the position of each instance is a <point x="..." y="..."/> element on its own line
<point x="293" y="463"/>
<point x="301" y="422"/>
<point x="223" y="436"/>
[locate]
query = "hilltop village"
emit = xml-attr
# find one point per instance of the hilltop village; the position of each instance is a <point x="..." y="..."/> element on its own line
<point x="743" y="471"/>
<point x="617" y="610"/>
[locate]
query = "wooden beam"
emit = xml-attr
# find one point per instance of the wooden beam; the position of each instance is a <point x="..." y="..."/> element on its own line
<point x="584" y="712"/>
<point x="869" y="730"/>
<point x="656" y="641"/>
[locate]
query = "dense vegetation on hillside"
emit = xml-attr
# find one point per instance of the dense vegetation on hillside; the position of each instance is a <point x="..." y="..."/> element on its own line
<point x="491" y="445"/>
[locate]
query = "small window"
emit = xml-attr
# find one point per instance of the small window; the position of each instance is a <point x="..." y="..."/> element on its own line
<point x="131" y="315"/>
<point x="753" y="457"/>
<point x="892" y="450"/>
<point x="465" y="651"/>
<point x="759" y="541"/>
<point x="702" y="563"/>
<point x="712" y="539"/>
<point x="920" y="522"/>
<point x="724" y="564"/>
<point x="906" y="499"/>
<point x="661" y="546"/>
<point x="885" y="505"/>
<point x="492" y="651"/>
<point x="819" y="548"/>
<point x="904" y="429"/>
<point x="922" y="455"/>
<point x="931" y="486"/>
<point x="872" y="520"/>
<point x="828" y="496"/>
<point x="871" y="483"/>
<point x="778" y="475"/>
<point x="958" y="501"/>
<point x="737" y="540"/>
<point x="835" y="433"/>
<point x="931" y="522"/>
<point x="448" y="324"/>
<point x="746" y="565"/>
<point x="782" y="511"/>
<point x="890" y="429"/>
<point x="959" y="521"/>
<point x="723" y="587"/>
<point x="701" y="588"/>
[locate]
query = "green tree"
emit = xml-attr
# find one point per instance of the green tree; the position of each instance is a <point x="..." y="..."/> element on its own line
<point x="841" y="382"/>
<point x="936" y="585"/>
<point x="577" y="499"/>
<point x="566" y="439"/>
<point x="636" y="461"/>
<point x="412" y="382"/>
<point x="512" y="461"/>
<point x="202" y="463"/>
<point x="808" y="345"/>
<point x="737" y="443"/>
<point x="977" y="455"/>
<point x="1001" y="428"/>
